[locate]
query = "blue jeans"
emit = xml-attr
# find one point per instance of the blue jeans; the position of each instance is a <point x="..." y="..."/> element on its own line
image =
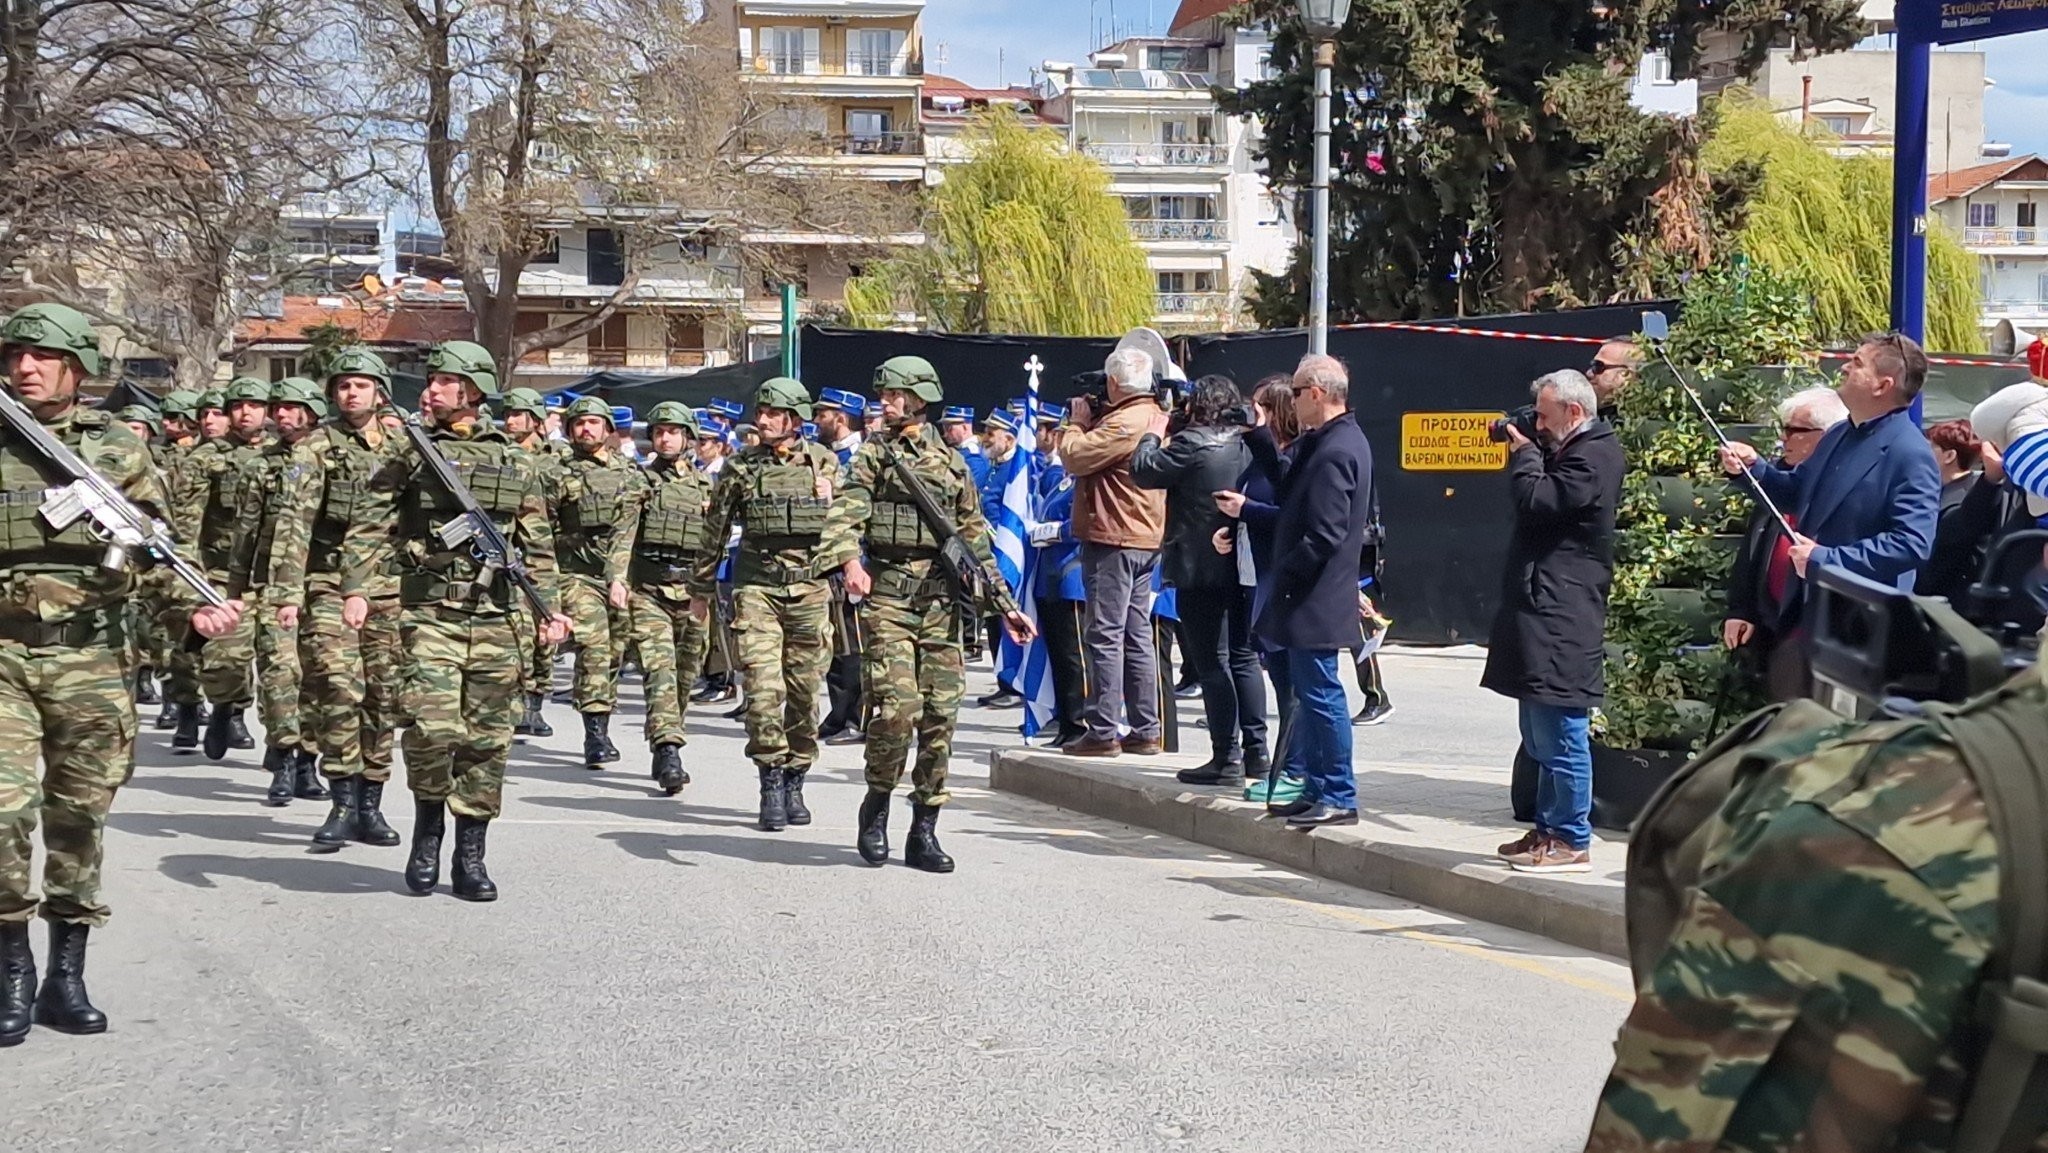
<point x="1556" y="737"/>
<point x="1320" y="743"/>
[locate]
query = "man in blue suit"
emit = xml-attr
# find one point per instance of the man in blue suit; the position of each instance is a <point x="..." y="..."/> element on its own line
<point x="1867" y="500"/>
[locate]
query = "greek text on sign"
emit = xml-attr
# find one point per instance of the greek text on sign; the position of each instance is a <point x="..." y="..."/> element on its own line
<point x="1450" y="442"/>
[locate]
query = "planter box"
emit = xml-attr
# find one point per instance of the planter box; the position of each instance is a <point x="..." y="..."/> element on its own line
<point x="1624" y="780"/>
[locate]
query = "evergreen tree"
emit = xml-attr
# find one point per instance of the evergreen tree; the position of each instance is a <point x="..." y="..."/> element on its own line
<point x="1486" y="155"/>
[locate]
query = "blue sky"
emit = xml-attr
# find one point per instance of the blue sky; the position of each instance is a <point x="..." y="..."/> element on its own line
<point x="984" y="40"/>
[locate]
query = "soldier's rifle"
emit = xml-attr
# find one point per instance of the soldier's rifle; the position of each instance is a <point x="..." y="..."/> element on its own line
<point x="473" y="527"/>
<point x="962" y="571"/>
<point x="126" y="529"/>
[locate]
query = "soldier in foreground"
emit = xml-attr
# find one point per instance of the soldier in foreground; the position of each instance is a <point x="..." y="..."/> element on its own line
<point x="596" y="511"/>
<point x="352" y="672"/>
<point x="670" y="638"/>
<point x="914" y="665"/>
<point x="463" y="664"/>
<point x="65" y="665"/>
<point x="231" y="471"/>
<point x="777" y="492"/>
<point x="295" y="407"/>
<point x="526" y="422"/>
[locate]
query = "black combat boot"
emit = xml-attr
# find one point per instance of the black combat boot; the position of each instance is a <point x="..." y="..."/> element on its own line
<point x="595" y="739"/>
<point x="793" y="797"/>
<point x="774" y="807"/>
<point x="423" y="867"/>
<point x="668" y="769"/>
<point x="524" y="726"/>
<point x="341" y="819"/>
<point x="187" y="736"/>
<point x="921" y="850"/>
<point x="62" y="1005"/>
<point x="536" y="721"/>
<point x="238" y="733"/>
<point x="472" y="883"/>
<point x="145" y="687"/>
<point x="282" y="764"/>
<point x="167" y="717"/>
<point x="874" y="828"/>
<point x="17" y="982"/>
<point x="306" y="776"/>
<point x="369" y="827"/>
<point x="220" y="733"/>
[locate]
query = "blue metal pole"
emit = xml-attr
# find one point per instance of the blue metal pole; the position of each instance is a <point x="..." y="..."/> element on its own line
<point x="1909" y="195"/>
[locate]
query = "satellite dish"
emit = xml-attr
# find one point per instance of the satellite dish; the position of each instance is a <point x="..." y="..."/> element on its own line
<point x="2009" y="339"/>
<point x="373" y="284"/>
<point x="1153" y="345"/>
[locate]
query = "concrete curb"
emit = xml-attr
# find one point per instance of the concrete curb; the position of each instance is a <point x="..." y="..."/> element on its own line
<point x="1585" y="916"/>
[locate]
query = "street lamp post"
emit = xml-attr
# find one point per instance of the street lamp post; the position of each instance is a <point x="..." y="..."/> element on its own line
<point x="1324" y="19"/>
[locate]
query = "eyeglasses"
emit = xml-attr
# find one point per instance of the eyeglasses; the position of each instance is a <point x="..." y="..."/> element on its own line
<point x="1801" y="429"/>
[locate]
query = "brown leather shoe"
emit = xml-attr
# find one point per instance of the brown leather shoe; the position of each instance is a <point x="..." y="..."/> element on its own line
<point x="1090" y="747"/>
<point x="1141" y="747"/>
<point x="1524" y="847"/>
<point x="1554" y="856"/>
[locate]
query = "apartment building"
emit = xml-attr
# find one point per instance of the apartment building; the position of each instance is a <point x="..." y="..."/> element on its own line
<point x="331" y="243"/>
<point x="1996" y="208"/>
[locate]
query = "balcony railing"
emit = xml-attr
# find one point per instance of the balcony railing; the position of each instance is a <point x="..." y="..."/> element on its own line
<point x="910" y="144"/>
<point x="1162" y="155"/>
<point x="1165" y="230"/>
<point x="1193" y="303"/>
<point x="2005" y="237"/>
<point x="306" y="246"/>
<point x="830" y="64"/>
<point x="2015" y="306"/>
<point x="634" y="357"/>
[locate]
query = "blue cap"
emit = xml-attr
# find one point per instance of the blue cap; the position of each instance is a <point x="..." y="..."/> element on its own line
<point x="960" y="412"/>
<point x="1002" y="419"/>
<point x="622" y="417"/>
<point x="730" y="409"/>
<point x="564" y="399"/>
<point x="1051" y="413"/>
<point x="1014" y="407"/>
<point x="851" y="403"/>
<point x="712" y="427"/>
<point x="810" y="431"/>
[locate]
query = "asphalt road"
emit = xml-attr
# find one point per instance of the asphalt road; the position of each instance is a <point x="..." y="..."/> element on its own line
<point x="659" y="975"/>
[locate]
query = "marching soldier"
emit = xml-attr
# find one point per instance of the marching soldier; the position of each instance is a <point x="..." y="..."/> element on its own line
<point x="840" y="415"/>
<point x="213" y="415"/>
<point x="295" y="407"/>
<point x="914" y="665"/>
<point x="777" y="492"/>
<point x="352" y="672"/>
<point x="232" y="476"/>
<point x="180" y="670"/>
<point x="671" y="639"/>
<point x="463" y="665"/>
<point x="526" y="422"/>
<point x="596" y="512"/>
<point x="145" y="629"/>
<point x="713" y="447"/>
<point x="64" y="673"/>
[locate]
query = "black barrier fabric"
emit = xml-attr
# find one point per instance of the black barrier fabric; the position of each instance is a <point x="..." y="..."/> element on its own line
<point x="1446" y="530"/>
<point x="642" y="392"/>
<point x="983" y="371"/>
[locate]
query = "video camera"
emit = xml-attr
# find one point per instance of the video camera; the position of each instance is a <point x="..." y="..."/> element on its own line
<point x="1166" y="375"/>
<point x="1876" y="650"/>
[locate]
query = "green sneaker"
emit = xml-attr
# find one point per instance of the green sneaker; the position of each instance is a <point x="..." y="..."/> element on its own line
<point x="1284" y="790"/>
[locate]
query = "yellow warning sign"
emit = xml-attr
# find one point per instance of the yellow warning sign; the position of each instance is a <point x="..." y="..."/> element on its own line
<point x="1450" y="442"/>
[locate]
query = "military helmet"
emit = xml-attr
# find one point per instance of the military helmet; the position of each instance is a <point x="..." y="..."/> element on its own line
<point x="55" y="328"/>
<point x="212" y="398"/>
<point x="141" y="414"/>
<point x="912" y="374"/>
<point x="526" y="400"/>
<point x="245" y="388"/>
<point x="677" y="413"/>
<point x="466" y="358"/>
<point x="785" y="393"/>
<point x="359" y="361"/>
<point x="591" y="406"/>
<point x="299" y="390"/>
<point x="180" y="402"/>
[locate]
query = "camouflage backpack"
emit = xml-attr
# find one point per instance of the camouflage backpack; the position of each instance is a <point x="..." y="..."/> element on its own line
<point x="2002" y="740"/>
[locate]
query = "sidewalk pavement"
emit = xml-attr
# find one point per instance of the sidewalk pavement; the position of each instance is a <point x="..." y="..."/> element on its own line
<point x="1433" y="806"/>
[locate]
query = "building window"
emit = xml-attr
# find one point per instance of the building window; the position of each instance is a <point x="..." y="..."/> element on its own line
<point x="1660" y="69"/>
<point x="1984" y="215"/>
<point x="1180" y="58"/>
<point x="2023" y="215"/>
<point x="866" y="124"/>
<point x="550" y="249"/>
<point x="1839" y="125"/>
<point x="1138" y="207"/>
<point x="875" y="52"/>
<point x="790" y="51"/>
<point x="1173" y="283"/>
<point x="1205" y="282"/>
<point x="1263" y="69"/>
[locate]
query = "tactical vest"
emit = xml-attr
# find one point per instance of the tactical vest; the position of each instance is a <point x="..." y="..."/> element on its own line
<point x="345" y="500"/>
<point x="275" y="464"/>
<point x="500" y="478"/>
<point x="234" y="486"/>
<point x="783" y="509"/>
<point x="593" y="498"/>
<point x="672" y="524"/>
<point x="26" y="539"/>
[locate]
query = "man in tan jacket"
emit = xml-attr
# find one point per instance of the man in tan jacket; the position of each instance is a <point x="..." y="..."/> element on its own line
<point x="1119" y="526"/>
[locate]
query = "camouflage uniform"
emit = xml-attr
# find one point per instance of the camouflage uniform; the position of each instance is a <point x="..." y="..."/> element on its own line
<point x="596" y="514"/>
<point x="672" y="641"/>
<point x="913" y="666"/>
<point x="540" y="667"/>
<point x="463" y="662"/>
<point x="232" y="473"/>
<point x="781" y="601"/>
<point x="185" y="487"/>
<point x="1818" y="991"/>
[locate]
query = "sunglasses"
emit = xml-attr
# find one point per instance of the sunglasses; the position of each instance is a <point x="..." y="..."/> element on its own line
<point x="1600" y="366"/>
<point x="1799" y="429"/>
<point x="1298" y="389"/>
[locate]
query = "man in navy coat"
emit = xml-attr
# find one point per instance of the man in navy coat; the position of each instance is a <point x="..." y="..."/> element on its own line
<point x="1868" y="498"/>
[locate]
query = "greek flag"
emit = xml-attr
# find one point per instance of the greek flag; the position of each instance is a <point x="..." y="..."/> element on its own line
<point x="1018" y="561"/>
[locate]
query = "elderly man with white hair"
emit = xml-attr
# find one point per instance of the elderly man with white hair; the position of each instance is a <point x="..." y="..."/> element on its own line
<point x="1120" y="527"/>
<point x="1547" y="647"/>
<point x="1757" y="585"/>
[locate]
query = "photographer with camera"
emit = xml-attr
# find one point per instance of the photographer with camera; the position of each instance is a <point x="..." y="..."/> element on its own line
<point x="1213" y="591"/>
<point x="1120" y="527"/>
<point x="1546" y="649"/>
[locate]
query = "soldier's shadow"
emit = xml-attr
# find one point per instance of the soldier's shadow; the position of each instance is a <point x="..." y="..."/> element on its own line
<point x="255" y="828"/>
<point x="248" y="788"/>
<point x="766" y="848"/>
<point x="295" y="874"/>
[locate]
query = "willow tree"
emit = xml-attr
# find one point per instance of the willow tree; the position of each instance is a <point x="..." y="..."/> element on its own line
<point x="1826" y="222"/>
<point x="1024" y="236"/>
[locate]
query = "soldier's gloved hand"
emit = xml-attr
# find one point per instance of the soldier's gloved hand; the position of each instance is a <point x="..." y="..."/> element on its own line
<point x="216" y="621"/>
<point x="288" y="617"/>
<point x="1019" y="627"/>
<point x="618" y="596"/>
<point x="858" y="583"/>
<point x="355" y="612"/>
<point x="556" y="630"/>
